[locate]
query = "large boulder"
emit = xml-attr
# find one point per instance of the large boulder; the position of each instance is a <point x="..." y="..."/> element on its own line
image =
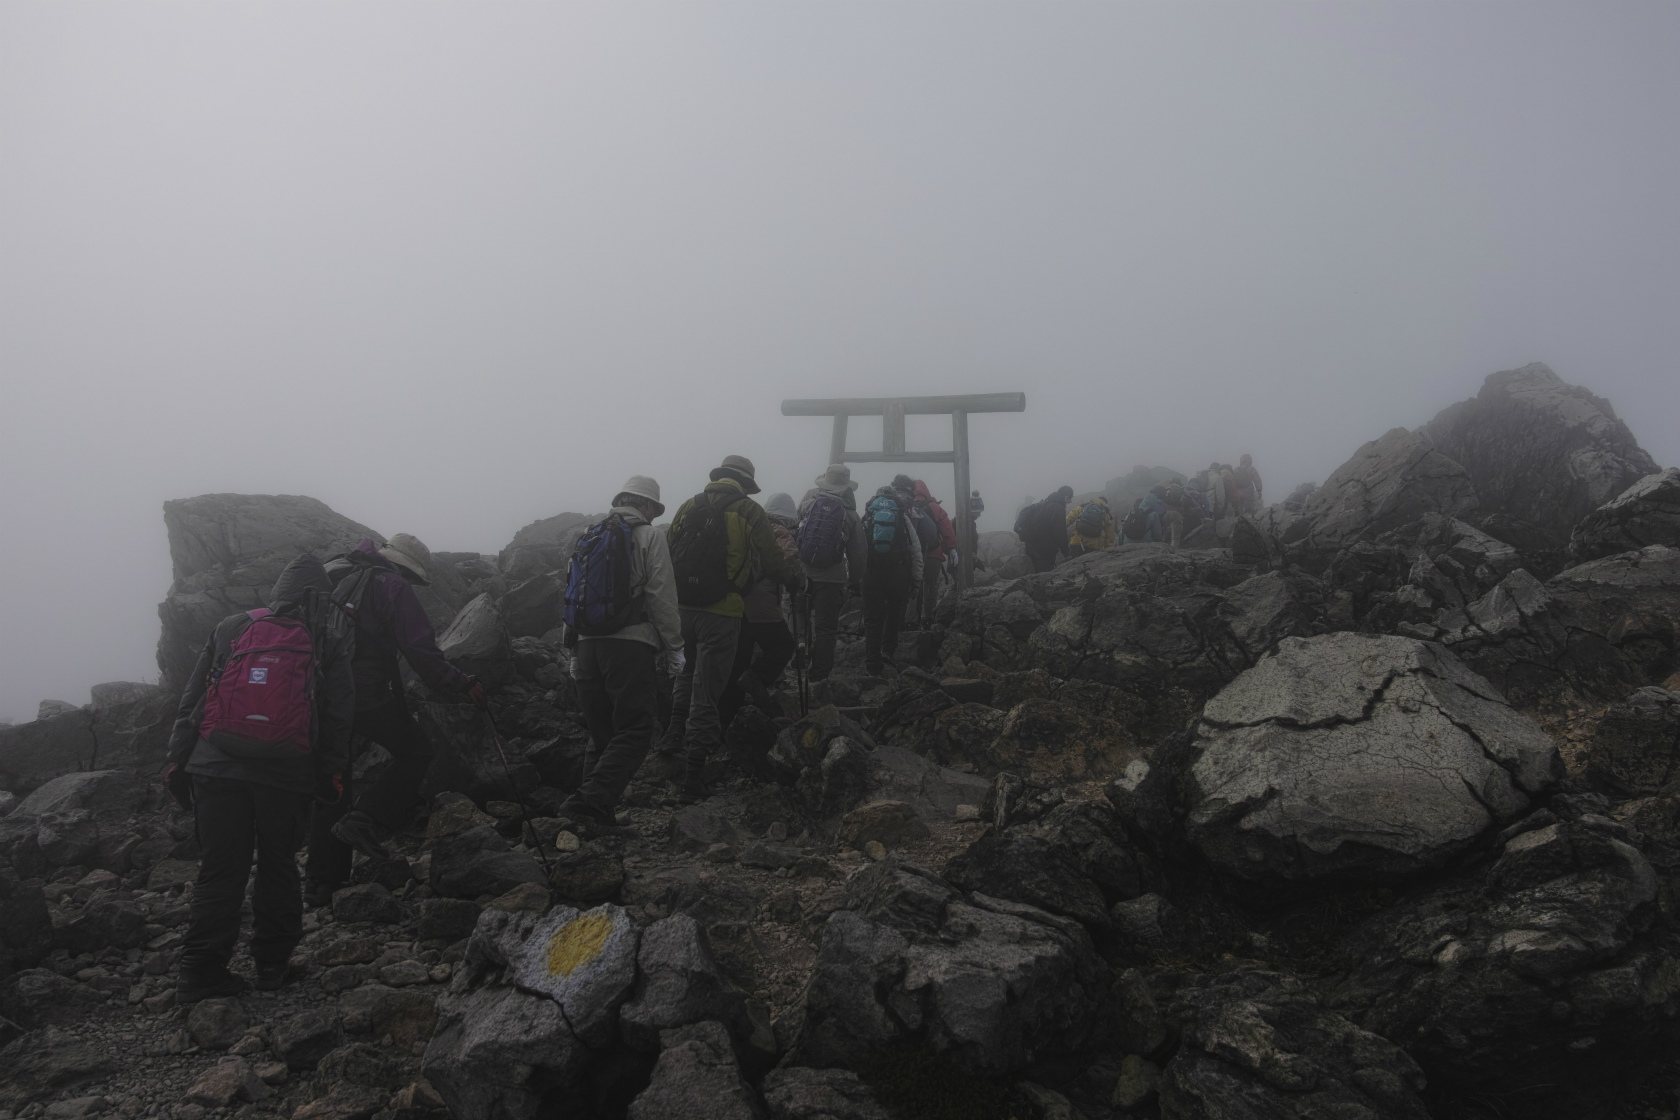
<point x="1632" y="599"/>
<point x="584" y="962"/>
<point x="45" y="1064"/>
<point x="1648" y="512"/>
<point x="1515" y="979"/>
<point x="130" y="733"/>
<point x="1387" y="484"/>
<point x="697" y="1078"/>
<point x="477" y="643"/>
<point x="1354" y="758"/>
<point x="226" y="551"/>
<point x="97" y="791"/>
<point x="1635" y="749"/>
<point x="544" y="546"/>
<point x="1540" y="450"/>
<point x="498" y="1051"/>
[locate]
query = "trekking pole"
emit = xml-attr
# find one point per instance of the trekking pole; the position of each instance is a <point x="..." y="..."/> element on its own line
<point x="799" y="646"/>
<point x="496" y="737"/>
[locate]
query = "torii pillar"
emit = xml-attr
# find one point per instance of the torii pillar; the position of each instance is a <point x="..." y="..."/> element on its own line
<point x="892" y="411"/>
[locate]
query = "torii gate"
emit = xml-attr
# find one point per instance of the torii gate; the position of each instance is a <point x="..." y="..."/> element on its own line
<point x="892" y="411"/>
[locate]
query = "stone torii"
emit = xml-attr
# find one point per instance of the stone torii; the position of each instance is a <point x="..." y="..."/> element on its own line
<point x="892" y="411"/>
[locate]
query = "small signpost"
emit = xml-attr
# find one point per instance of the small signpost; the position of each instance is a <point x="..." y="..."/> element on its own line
<point x="892" y="411"/>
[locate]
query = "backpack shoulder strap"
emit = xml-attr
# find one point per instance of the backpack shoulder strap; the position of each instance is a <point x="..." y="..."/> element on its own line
<point x="260" y="612"/>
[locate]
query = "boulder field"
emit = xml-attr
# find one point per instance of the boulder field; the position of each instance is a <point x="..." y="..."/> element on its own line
<point x="1368" y="808"/>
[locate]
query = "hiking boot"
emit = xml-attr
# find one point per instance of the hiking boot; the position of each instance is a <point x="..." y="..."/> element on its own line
<point x="192" y="988"/>
<point x="757" y="694"/>
<point x="272" y="976"/>
<point x="671" y="742"/>
<point x="317" y="894"/>
<point x="694" y="786"/>
<point x="364" y="834"/>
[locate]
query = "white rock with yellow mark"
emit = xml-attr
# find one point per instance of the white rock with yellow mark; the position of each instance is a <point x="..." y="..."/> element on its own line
<point x="585" y="962"/>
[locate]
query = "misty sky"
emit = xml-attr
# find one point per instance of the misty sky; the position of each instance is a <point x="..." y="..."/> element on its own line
<point x="454" y="267"/>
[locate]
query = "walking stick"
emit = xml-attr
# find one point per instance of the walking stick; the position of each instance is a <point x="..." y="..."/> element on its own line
<point x="801" y="604"/>
<point x="496" y="736"/>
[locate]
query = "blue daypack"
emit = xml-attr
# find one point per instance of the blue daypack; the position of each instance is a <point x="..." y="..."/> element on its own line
<point x="599" y="597"/>
<point x="881" y="519"/>
<point x="822" y="535"/>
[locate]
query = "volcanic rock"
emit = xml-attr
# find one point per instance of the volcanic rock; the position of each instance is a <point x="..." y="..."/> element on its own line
<point x="1646" y="513"/>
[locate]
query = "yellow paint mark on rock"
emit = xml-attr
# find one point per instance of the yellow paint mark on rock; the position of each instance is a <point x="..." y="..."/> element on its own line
<point x="577" y="943"/>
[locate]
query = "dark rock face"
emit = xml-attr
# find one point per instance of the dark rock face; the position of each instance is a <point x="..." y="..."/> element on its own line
<point x="798" y="1093"/>
<point x="1534" y="972"/>
<point x="1635" y="750"/>
<point x="131" y="734"/>
<point x="497" y="1051"/>
<point x="1646" y="513"/>
<point x="1257" y="1044"/>
<point x="1631" y="599"/>
<point x="544" y="546"/>
<point x="1348" y="757"/>
<point x="697" y="1076"/>
<point x="678" y="982"/>
<point x="1539" y="449"/>
<point x="44" y="1063"/>
<point x="26" y="932"/>
<point x="1388" y="484"/>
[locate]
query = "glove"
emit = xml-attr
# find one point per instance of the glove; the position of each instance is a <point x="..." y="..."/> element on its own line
<point x="329" y="788"/>
<point x="675" y="662"/>
<point x="475" y="692"/>
<point x="179" y="784"/>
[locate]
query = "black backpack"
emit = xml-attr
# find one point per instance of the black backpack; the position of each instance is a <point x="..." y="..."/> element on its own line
<point x="1091" y="519"/>
<point x="351" y="577"/>
<point x="1137" y="522"/>
<point x="700" y="552"/>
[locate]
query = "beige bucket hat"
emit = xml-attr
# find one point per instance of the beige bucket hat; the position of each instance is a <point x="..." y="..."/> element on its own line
<point x="406" y="551"/>
<point x="641" y="486"/>
<point x="836" y="479"/>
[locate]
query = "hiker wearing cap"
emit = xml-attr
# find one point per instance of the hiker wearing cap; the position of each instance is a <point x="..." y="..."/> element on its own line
<point x="719" y="539"/>
<point x="766" y="645"/>
<point x="935" y="557"/>
<point x="622" y="618"/>
<point x="375" y="585"/>
<point x="263" y="725"/>
<point x="831" y="551"/>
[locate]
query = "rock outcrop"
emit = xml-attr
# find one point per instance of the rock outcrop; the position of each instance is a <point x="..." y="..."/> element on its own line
<point x="1646" y="513"/>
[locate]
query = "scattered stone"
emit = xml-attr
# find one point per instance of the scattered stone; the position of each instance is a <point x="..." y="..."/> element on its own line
<point x="1140" y="1081"/>
<point x="447" y="919"/>
<point x="892" y="823"/>
<point x="593" y="873"/>
<point x="498" y="1050"/>
<point x="306" y="1038"/>
<point x="366" y="902"/>
<point x="217" y="1024"/>
<point x="696" y="1077"/>
<point x="565" y="841"/>
<point x="403" y="973"/>
<point x="525" y="898"/>
<point x="407" y="1016"/>
<point x="229" y="1080"/>
<point x="95" y="791"/>
<point x="47" y="1062"/>
<point x="678" y="982"/>
<point x="351" y="950"/>
<point x="167" y="874"/>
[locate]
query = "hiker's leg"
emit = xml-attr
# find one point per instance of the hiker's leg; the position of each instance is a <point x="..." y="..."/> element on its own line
<point x="627" y="676"/>
<point x="328" y="861"/>
<point x="875" y="609"/>
<point x="897" y="596"/>
<point x="682" y="688"/>
<point x="729" y="701"/>
<point x="276" y="900"/>
<point x="715" y="638"/>
<point x="775" y="646"/>
<point x="226" y="834"/>
<point x="827" y="599"/>
<point x="595" y="700"/>
<point x="390" y="800"/>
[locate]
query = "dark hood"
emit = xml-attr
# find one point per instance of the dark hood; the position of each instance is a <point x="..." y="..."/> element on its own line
<point x="300" y="576"/>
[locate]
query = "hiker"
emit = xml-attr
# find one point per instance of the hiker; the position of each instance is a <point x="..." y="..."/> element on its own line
<point x="1143" y="522"/>
<point x="1248" y="487"/>
<point x="376" y="586"/>
<point x="622" y="622"/>
<point x="719" y="539"/>
<point x="893" y="566"/>
<point x="262" y="729"/>
<point x="831" y="552"/>
<point x="1090" y="527"/>
<point x="976" y="506"/>
<point x="1042" y="527"/>
<point x="1173" y="517"/>
<point x="766" y="645"/>
<point x="933" y="559"/>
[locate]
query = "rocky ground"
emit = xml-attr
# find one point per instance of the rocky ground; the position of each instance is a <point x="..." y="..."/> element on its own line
<point x="1368" y="808"/>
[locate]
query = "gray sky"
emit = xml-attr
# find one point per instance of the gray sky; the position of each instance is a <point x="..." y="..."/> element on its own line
<point x="454" y="267"/>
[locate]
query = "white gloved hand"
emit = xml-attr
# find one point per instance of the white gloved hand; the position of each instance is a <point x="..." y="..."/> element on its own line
<point x="674" y="662"/>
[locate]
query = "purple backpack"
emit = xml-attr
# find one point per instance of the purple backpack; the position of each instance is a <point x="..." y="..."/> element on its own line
<point x="822" y="535"/>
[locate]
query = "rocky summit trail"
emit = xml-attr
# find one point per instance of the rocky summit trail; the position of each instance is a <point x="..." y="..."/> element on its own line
<point x="1364" y="806"/>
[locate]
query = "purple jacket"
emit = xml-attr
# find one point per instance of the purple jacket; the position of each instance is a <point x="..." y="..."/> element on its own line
<point x="389" y="622"/>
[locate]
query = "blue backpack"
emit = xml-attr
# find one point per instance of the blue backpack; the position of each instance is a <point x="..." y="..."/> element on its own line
<point x="881" y="521"/>
<point x="599" y="597"/>
<point x="822" y="535"/>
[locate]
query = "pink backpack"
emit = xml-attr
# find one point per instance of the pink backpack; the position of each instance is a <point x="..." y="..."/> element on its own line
<point x="261" y="704"/>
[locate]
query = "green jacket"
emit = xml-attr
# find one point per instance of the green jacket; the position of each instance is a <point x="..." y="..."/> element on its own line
<point x="752" y="545"/>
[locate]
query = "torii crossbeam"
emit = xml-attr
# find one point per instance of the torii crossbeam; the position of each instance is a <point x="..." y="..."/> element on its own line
<point x="892" y="411"/>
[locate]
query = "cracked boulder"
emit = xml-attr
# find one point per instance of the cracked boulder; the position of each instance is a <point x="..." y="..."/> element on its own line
<point x="1632" y="600"/>
<point x="1538" y="971"/>
<point x="1257" y="1044"/>
<point x="1635" y="750"/>
<point x="499" y="1052"/>
<point x="1354" y="758"/>
<point x="1646" y="513"/>
<point x="584" y="962"/>
<point x="993" y="985"/>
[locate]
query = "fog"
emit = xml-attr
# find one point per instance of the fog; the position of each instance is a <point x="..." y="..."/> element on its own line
<point x="454" y="267"/>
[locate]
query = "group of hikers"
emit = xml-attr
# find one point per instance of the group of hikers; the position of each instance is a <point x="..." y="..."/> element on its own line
<point x="1169" y="511"/>
<point x="713" y="606"/>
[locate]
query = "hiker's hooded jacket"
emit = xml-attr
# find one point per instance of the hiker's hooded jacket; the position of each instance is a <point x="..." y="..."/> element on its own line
<point x="390" y="622"/>
<point x="302" y="592"/>
<point x="1104" y="539"/>
<point x="753" y="548"/>
<point x="947" y="534"/>
<point x="849" y="568"/>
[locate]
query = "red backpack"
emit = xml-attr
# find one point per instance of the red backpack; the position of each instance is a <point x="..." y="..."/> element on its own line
<point x="261" y="701"/>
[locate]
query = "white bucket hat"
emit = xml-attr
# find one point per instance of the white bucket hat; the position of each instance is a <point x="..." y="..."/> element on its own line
<point x="641" y="486"/>
<point x="407" y="552"/>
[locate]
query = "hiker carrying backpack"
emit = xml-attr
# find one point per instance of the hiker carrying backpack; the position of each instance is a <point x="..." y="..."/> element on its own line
<point x="883" y="532"/>
<point x="700" y="551"/>
<point x="822" y="535"/>
<point x="1137" y="522"/>
<point x="1093" y="516"/>
<point x="601" y="598"/>
<point x="927" y="533"/>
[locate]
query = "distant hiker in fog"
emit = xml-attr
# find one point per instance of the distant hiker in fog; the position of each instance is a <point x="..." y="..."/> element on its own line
<point x="892" y="568"/>
<point x="375" y="586"/>
<point x="976" y="506"/>
<point x="1247" y="488"/>
<point x="831" y="551"/>
<point x="933" y="559"/>
<point x="263" y="725"/>
<point x="1042" y="527"/>
<point x="1144" y="521"/>
<point x="1090" y="527"/>
<point x="766" y="644"/>
<point x="622" y="619"/>
<point x="1173" y="518"/>
<point x="720" y="539"/>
